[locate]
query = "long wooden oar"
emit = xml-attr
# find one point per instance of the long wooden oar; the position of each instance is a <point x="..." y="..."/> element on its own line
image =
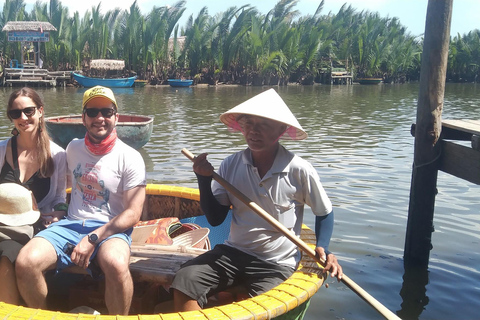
<point x="299" y="242"/>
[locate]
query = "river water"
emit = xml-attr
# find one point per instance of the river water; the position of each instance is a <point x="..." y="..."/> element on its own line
<point x="360" y="143"/>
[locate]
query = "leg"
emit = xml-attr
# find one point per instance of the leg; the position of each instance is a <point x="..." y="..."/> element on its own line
<point x="36" y="257"/>
<point x="114" y="257"/>
<point x="262" y="276"/>
<point x="182" y="302"/>
<point x="8" y="290"/>
<point x="211" y="272"/>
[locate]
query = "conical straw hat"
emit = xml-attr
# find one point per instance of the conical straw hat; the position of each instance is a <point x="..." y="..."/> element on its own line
<point x="17" y="206"/>
<point x="270" y="105"/>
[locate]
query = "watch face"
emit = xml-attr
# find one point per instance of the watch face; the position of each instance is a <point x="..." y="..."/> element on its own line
<point x="93" y="237"/>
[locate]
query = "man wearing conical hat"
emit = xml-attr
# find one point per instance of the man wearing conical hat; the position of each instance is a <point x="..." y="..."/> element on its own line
<point x="256" y="255"/>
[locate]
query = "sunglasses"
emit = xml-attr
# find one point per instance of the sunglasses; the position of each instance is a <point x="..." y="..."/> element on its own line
<point x="93" y="112"/>
<point x="17" y="113"/>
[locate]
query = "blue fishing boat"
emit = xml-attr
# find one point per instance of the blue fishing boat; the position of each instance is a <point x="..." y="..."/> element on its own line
<point x="179" y="83"/>
<point x="110" y="83"/>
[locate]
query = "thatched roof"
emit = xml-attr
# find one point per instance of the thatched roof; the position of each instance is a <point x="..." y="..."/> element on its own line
<point x="28" y="26"/>
<point x="180" y="43"/>
<point x="106" y="64"/>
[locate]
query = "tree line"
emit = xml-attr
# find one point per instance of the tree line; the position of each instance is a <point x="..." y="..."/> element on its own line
<point x="240" y="45"/>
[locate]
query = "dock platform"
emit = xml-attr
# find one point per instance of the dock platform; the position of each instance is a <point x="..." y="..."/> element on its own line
<point x="34" y="77"/>
<point x="461" y="160"/>
<point x="460" y="154"/>
<point x="340" y="76"/>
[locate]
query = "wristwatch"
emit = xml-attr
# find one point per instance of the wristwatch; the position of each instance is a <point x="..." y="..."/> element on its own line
<point x="92" y="238"/>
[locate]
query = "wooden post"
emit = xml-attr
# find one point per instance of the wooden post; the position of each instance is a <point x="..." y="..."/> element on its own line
<point x="428" y="127"/>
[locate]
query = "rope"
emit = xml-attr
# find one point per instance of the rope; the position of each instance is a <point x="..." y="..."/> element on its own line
<point x="415" y="166"/>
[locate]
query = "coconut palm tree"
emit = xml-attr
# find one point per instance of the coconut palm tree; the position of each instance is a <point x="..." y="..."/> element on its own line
<point x="464" y="57"/>
<point x="13" y="10"/>
<point x="197" y="49"/>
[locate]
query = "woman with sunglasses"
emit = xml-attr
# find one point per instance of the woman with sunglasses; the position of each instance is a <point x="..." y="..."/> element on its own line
<point x="31" y="159"/>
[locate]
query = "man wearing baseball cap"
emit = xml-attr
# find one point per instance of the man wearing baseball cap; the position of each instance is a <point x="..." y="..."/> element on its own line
<point x="256" y="255"/>
<point x="108" y="191"/>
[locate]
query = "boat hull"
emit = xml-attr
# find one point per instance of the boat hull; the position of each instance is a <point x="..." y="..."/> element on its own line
<point x="288" y="300"/>
<point x="180" y="83"/>
<point x="369" y="80"/>
<point x="140" y="83"/>
<point x="133" y="130"/>
<point x="110" y="83"/>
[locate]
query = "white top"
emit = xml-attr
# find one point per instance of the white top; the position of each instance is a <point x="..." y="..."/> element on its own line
<point x="98" y="182"/>
<point x="283" y="191"/>
<point x="57" y="193"/>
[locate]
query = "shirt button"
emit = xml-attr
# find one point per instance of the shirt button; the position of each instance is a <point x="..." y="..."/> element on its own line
<point x="261" y="184"/>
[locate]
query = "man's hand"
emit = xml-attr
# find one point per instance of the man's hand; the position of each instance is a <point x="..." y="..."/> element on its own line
<point x="82" y="252"/>
<point x="51" y="217"/>
<point x="201" y="166"/>
<point x="331" y="263"/>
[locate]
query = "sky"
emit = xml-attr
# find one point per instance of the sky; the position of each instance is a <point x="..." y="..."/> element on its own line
<point x="411" y="13"/>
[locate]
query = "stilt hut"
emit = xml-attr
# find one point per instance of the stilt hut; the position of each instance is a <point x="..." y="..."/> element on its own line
<point x="28" y="68"/>
<point x="31" y="34"/>
<point x="106" y="68"/>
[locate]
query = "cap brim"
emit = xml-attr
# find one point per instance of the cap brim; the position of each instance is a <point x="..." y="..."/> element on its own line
<point x="100" y="96"/>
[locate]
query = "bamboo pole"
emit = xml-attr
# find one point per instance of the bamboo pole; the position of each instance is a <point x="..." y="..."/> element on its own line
<point x="299" y="242"/>
<point x="427" y="132"/>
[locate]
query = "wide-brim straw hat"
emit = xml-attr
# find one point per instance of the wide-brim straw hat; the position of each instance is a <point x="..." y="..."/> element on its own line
<point x="99" y="91"/>
<point x="17" y="205"/>
<point x="270" y="105"/>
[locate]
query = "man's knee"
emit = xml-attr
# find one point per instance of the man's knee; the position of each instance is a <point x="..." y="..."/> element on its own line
<point x="38" y="254"/>
<point x="114" y="258"/>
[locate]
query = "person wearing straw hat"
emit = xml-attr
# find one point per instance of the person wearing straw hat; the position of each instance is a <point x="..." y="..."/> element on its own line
<point x="108" y="191"/>
<point x="256" y="255"/>
<point x="18" y="213"/>
<point x="30" y="159"/>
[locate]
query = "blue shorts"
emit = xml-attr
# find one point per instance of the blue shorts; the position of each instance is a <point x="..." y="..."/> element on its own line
<point x="65" y="232"/>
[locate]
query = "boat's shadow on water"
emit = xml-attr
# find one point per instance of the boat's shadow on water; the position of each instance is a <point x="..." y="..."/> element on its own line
<point x="413" y="292"/>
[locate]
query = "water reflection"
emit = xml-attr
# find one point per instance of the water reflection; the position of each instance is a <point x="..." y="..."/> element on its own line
<point x="413" y="292"/>
<point x="360" y="143"/>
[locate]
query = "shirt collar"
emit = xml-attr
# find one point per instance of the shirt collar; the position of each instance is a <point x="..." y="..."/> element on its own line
<point x="281" y="163"/>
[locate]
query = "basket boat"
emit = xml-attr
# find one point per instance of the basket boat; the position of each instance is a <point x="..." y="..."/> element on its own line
<point x="134" y="130"/>
<point x="153" y="263"/>
<point x="369" y="80"/>
<point x="180" y="82"/>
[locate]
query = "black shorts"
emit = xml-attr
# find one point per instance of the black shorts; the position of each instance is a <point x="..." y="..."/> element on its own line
<point x="224" y="267"/>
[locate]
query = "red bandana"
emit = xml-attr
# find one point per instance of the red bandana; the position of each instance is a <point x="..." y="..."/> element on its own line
<point x="103" y="147"/>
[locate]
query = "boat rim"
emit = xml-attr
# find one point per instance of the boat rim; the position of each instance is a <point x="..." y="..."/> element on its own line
<point x="148" y="119"/>
<point x="106" y="79"/>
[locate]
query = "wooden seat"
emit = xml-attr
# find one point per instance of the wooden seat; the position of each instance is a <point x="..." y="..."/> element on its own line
<point x="153" y="262"/>
<point x="159" y="263"/>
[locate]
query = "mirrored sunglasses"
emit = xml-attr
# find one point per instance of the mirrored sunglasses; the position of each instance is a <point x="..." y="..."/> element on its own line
<point x="93" y="112"/>
<point x="17" y="113"/>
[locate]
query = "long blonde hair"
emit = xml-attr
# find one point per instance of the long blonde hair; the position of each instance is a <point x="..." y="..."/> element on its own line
<point x="43" y="139"/>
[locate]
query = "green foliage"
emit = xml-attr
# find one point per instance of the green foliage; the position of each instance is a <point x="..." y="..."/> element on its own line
<point x="237" y="44"/>
<point x="464" y="57"/>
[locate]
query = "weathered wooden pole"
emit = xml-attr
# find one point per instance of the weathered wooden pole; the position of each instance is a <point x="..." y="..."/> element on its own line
<point x="427" y="132"/>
